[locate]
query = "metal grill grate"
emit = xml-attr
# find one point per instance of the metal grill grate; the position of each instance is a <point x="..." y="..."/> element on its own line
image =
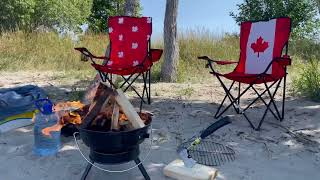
<point x="210" y="153"/>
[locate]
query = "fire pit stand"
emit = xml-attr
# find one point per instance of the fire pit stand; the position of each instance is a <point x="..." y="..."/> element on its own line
<point x="137" y="161"/>
<point x="113" y="148"/>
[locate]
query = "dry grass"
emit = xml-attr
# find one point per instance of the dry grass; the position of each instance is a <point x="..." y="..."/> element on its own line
<point x="49" y="52"/>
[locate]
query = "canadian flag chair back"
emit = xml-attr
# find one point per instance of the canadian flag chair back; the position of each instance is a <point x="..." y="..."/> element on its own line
<point x="260" y="43"/>
<point x="129" y="37"/>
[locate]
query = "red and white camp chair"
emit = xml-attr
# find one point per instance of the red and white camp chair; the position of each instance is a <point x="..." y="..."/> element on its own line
<point x="262" y="61"/>
<point x="130" y="54"/>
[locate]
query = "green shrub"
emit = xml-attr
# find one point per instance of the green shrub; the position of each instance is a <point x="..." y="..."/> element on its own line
<point x="305" y="48"/>
<point x="307" y="83"/>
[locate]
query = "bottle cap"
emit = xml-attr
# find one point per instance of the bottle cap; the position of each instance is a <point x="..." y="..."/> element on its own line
<point x="44" y="106"/>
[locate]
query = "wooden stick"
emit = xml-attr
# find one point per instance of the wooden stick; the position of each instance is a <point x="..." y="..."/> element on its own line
<point x="115" y="117"/>
<point x="129" y="110"/>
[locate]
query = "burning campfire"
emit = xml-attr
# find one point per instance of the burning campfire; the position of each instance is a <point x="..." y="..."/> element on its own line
<point x="109" y="111"/>
<point x="109" y="126"/>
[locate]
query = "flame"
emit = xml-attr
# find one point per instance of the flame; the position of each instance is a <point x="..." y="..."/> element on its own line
<point x="46" y="131"/>
<point x="73" y="112"/>
<point x="68" y="106"/>
<point x="65" y="116"/>
<point x="71" y="117"/>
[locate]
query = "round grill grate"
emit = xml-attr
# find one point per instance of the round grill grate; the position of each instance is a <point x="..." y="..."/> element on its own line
<point x="210" y="153"/>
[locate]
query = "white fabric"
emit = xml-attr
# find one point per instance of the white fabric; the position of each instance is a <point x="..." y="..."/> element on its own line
<point x="255" y="64"/>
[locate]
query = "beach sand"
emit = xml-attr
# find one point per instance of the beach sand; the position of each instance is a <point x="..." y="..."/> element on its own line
<point x="180" y="111"/>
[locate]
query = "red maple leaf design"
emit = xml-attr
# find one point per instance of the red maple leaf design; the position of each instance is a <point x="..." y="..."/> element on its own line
<point x="259" y="46"/>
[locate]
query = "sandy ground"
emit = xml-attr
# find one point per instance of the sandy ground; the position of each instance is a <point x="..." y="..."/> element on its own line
<point x="180" y="111"/>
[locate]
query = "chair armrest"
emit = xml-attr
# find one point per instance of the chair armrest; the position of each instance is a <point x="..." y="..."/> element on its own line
<point x="156" y="54"/>
<point x="87" y="53"/>
<point x="215" y="61"/>
<point x="283" y="61"/>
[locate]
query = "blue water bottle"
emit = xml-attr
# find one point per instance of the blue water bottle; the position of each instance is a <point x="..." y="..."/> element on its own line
<point x="45" y="145"/>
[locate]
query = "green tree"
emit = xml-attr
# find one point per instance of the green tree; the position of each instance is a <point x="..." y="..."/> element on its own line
<point x="102" y="9"/>
<point x="304" y="14"/>
<point x="132" y="8"/>
<point x="16" y="14"/>
<point x="30" y="14"/>
<point x="67" y="14"/>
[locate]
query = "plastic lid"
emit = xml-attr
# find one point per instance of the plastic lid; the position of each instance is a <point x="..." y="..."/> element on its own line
<point x="44" y="106"/>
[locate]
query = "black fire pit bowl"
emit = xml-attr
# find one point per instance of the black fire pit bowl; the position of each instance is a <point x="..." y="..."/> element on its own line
<point x="112" y="142"/>
<point x="115" y="147"/>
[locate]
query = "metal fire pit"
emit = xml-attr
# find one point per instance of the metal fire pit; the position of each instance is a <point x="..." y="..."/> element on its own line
<point x="115" y="147"/>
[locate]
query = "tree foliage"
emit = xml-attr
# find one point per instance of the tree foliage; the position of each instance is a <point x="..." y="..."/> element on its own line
<point x="132" y="7"/>
<point x="304" y="14"/>
<point x="30" y="14"/>
<point x="16" y="14"/>
<point x="69" y="14"/>
<point x="102" y="9"/>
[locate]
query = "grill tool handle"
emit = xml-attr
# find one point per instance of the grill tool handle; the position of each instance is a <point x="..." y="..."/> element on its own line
<point x="215" y="126"/>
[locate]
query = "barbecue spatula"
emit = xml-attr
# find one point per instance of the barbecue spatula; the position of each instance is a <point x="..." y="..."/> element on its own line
<point x="184" y="152"/>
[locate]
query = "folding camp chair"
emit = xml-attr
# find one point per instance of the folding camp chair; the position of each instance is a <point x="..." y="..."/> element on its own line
<point x="262" y="61"/>
<point x="130" y="54"/>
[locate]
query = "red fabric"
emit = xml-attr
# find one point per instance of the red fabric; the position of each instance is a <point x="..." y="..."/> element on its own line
<point x="156" y="54"/>
<point x="120" y="70"/>
<point x="284" y="61"/>
<point x="250" y="78"/>
<point x="225" y="62"/>
<point x="129" y="38"/>
<point x="283" y="27"/>
<point x="244" y="36"/>
<point x="281" y="38"/>
<point x="127" y="70"/>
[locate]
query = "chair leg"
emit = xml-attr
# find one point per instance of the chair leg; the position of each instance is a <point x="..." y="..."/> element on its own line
<point x="144" y="77"/>
<point x="217" y="115"/>
<point x="249" y="121"/>
<point x="231" y="98"/>
<point x="146" y="88"/>
<point x="105" y="77"/>
<point x="273" y="102"/>
<point x="268" y="105"/>
<point x="239" y="90"/>
<point x="126" y="81"/>
<point x="260" y="97"/>
<point x="149" y="87"/>
<point x="129" y="85"/>
<point x="102" y="76"/>
<point x="235" y="102"/>
<point x="283" y="97"/>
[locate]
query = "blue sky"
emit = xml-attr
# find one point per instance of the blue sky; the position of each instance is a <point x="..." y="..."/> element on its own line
<point x="209" y="14"/>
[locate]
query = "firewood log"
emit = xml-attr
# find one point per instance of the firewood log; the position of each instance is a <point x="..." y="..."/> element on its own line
<point x="129" y="110"/>
<point x="115" y="117"/>
<point x="102" y="94"/>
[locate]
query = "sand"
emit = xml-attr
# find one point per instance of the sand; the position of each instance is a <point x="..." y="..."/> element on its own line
<point x="180" y="111"/>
